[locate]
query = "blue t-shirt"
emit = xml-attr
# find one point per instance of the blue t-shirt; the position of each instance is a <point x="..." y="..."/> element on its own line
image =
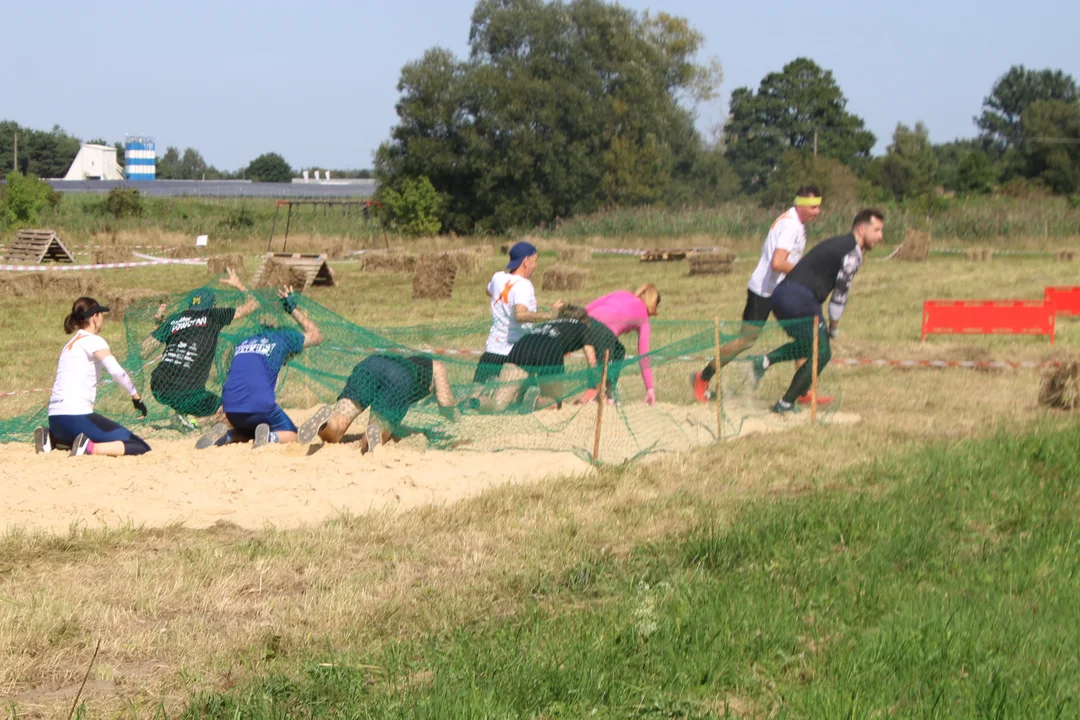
<point x="252" y="379"/>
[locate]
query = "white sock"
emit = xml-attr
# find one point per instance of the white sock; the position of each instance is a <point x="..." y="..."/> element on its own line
<point x="765" y="362"/>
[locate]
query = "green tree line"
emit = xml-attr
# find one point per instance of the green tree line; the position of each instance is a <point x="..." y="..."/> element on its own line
<point x="573" y="106"/>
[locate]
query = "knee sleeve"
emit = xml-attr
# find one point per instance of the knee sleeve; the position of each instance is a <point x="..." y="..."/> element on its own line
<point x="135" y="445"/>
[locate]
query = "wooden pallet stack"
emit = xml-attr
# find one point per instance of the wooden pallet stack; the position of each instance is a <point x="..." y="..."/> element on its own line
<point x="312" y="266"/>
<point x="31" y="247"/>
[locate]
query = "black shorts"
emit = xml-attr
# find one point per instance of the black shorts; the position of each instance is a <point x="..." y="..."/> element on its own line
<point x="383" y="385"/>
<point x="757" y="308"/>
<point x="489" y="367"/>
<point x="537" y="355"/>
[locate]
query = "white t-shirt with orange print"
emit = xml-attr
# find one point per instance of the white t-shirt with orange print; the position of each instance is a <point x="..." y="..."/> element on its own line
<point x="787" y="233"/>
<point x="77" y="375"/>
<point x="507" y="291"/>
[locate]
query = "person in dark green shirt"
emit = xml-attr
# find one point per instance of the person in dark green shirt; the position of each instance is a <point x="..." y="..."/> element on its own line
<point x="190" y="338"/>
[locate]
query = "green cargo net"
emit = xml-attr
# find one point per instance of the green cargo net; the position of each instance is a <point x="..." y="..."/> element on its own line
<point x="421" y="383"/>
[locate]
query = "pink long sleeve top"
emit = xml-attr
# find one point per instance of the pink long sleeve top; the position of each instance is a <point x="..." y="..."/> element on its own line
<point x="623" y="311"/>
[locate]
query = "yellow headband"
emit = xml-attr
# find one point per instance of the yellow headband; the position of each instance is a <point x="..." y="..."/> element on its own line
<point x="807" y="201"/>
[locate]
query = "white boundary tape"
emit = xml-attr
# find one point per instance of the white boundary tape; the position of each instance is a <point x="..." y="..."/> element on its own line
<point x="150" y="261"/>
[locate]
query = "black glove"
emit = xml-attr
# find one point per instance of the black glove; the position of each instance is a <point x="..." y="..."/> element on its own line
<point x="139" y="405"/>
<point x="289" y="303"/>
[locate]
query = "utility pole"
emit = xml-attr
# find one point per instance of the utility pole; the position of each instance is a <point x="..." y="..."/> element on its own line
<point x="815" y="143"/>
<point x="16" y="166"/>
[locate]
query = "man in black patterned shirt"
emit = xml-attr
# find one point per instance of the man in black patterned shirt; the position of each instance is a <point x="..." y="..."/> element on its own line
<point x="827" y="269"/>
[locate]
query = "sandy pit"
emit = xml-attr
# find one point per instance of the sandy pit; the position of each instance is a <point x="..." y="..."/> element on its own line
<point x="291" y="485"/>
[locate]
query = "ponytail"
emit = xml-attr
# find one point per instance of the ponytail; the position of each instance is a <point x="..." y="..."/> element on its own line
<point x="649" y="295"/>
<point x="73" y="321"/>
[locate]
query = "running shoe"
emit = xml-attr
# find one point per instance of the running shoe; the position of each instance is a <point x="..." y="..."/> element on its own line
<point x="759" y="369"/>
<point x="81" y="445"/>
<point x="530" y="398"/>
<point x="372" y="436"/>
<point x="42" y="440"/>
<point x="702" y="393"/>
<point x="218" y="435"/>
<point x="311" y="427"/>
<point x="187" y="422"/>
<point x="262" y="435"/>
<point x="784" y="408"/>
<point x="821" y="399"/>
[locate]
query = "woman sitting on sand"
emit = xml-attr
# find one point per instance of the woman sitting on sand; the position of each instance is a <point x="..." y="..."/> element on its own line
<point x="621" y="312"/>
<point x="389" y="385"/>
<point x="72" y="420"/>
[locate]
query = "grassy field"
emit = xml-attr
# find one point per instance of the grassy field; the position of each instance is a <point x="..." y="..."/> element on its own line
<point x="1001" y="222"/>
<point x="920" y="562"/>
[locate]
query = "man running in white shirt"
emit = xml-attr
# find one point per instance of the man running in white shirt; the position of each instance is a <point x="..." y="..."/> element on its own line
<point x="783" y="248"/>
<point x="513" y="309"/>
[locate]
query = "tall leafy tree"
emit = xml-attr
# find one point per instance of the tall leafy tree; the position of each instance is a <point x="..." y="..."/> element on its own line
<point x="789" y="109"/>
<point x="909" y="168"/>
<point x="1050" y="150"/>
<point x="168" y="165"/>
<point x="269" y="167"/>
<point x="975" y="174"/>
<point x="47" y="154"/>
<point x="192" y="166"/>
<point x="1013" y="93"/>
<point x="560" y="108"/>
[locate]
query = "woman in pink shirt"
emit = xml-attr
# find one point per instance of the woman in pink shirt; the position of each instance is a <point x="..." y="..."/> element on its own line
<point x="621" y="312"/>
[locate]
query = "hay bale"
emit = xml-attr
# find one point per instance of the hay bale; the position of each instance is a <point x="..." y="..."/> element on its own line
<point x="43" y="284"/>
<point x="915" y="248"/>
<point x="718" y="262"/>
<point x="561" y="277"/>
<point x="979" y="254"/>
<point x="663" y="255"/>
<point x="103" y="256"/>
<point x="1060" y="387"/>
<point x="335" y="250"/>
<point x="574" y="254"/>
<point x="467" y="261"/>
<point x="217" y="264"/>
<point x="388" y="262"/>
<point x="118" y="302"/>
<point x="1065" y="255"/>
<point x="434" y="277"/>
<point x="276" y="274"/>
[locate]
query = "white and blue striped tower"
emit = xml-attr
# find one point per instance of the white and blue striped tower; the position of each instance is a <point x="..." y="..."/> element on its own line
<point x="139" y="158"/>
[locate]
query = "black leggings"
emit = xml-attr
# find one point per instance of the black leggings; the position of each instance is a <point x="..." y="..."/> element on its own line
<point x="797" y="305"/>
<point x="65" y="428"/>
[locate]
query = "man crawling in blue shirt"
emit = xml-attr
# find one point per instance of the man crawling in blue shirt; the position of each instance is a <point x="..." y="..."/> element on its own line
<point x="248" y="397"/>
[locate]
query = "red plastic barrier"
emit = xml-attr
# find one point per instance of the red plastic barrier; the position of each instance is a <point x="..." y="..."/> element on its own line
<point x="1066" y="300"/>
<point x="988" y="317"/>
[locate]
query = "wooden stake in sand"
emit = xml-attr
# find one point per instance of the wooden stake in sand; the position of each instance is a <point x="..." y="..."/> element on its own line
<point x="601" y="400"/>
<point x="813" y="375"/>
<point x="75" y="703"/>
<point x="719" y="387"/>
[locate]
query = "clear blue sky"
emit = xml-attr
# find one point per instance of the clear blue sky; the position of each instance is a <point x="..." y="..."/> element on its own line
<point x="316" y="81"/>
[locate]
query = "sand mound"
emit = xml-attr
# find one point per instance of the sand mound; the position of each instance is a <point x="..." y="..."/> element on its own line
<point x="293" y="485"/>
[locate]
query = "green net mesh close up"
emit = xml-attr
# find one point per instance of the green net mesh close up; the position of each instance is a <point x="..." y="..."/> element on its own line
<point x="530" y="407"/>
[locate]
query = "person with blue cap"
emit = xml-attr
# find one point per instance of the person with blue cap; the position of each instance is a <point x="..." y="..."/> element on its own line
<point x="513" y="309"/>
<point x="190" y="338"/>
